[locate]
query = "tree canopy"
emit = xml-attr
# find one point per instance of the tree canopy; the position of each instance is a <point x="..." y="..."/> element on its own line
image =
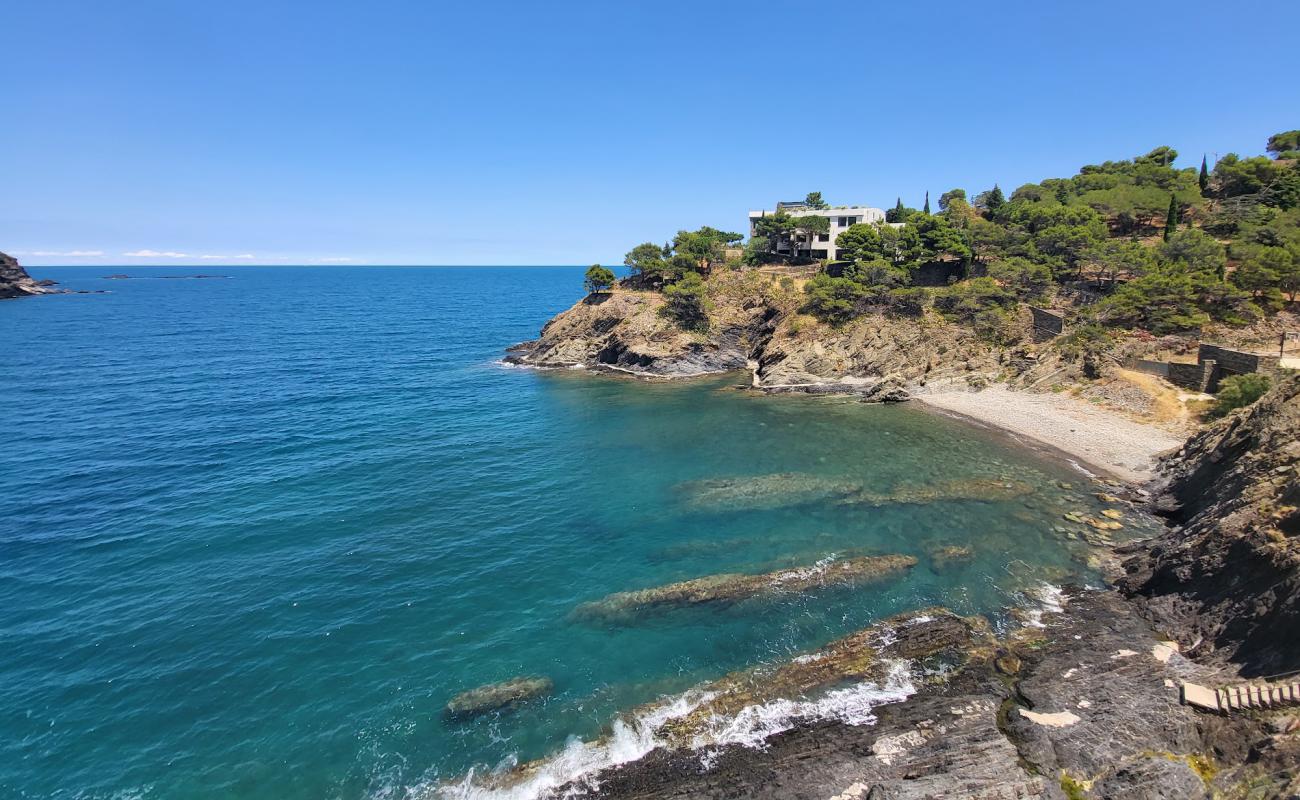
<point x="598" y="278"/>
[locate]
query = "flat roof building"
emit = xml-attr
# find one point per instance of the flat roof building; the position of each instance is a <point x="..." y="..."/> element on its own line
<point x="823" y="246"/>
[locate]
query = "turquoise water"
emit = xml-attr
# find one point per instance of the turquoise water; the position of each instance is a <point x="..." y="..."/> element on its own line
<point x="258" y="530"/>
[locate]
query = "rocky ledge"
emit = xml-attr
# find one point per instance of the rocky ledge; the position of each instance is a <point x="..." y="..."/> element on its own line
<point x="1087" y="706"/>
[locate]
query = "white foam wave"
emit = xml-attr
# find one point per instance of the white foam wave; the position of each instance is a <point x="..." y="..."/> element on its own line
<point x="753" y="725"/>
<point x="799" y="573"/>
<point x="580" y="762"/>
<point x="1048" y="599"/>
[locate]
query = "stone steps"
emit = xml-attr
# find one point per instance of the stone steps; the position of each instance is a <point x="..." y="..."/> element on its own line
<point x="1250" y="695"/>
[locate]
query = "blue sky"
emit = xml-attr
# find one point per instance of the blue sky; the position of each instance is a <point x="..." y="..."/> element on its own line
<point x="409" y="132"/>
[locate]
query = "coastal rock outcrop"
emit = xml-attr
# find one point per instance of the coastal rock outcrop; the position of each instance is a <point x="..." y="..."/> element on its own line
<point x="1228" y="578"/>
<point x="624" y="331"/>
<point x="497" y="696"/>
<point x="732" y="588"/>
<point x="14" y="280"/>
<point x="755" y="321"/>
<point x="1091" y="711"/>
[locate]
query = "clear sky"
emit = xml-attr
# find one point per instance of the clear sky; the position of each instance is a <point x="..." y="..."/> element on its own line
<point x="424" y="132"/>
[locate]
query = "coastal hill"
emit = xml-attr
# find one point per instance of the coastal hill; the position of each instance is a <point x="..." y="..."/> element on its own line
<point x="1131" y="292"/>
<point x="1087" y="291"/>
<point x="14" y="280"/>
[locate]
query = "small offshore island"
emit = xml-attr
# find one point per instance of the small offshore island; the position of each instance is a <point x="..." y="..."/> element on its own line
<point x="1113" y="315"/>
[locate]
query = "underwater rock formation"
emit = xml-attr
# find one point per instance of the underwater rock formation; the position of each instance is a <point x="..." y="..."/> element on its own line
<point x="730" y="587"/>
<point x="496" y="696"/>
<point x="765" y="491"/>
<point x="984" y="489"/>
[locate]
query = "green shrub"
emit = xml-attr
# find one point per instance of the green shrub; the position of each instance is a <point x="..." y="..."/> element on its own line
<point x="911" y="300"/>
<point x="962" y="301"/>
<point x="1088" y="341"/>
<point x="687" y="303"/>
<point x="833" y="300"/>
<point x="1239" y="391"/>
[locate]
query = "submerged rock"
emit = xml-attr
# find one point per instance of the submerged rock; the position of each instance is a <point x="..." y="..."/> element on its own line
<point x="986" y="489"/>
<point x="765" y="491"/>
<point x="944" y="556"/>
<point x="495" y="696"/>
<point x="732" y="587"/>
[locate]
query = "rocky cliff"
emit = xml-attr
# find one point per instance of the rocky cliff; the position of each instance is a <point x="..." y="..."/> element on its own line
<point x="14" y="280"/>
<point x="755" y="321"/>
<point x="1228" y="576"/>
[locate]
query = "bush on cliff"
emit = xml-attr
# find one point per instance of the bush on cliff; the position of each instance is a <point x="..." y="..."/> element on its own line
<point x="1239" y="391"/>
<point x="833" y="300"/>
<point x="687" y="302"/>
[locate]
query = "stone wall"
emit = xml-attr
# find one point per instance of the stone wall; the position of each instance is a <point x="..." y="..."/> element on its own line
<point x="1157" y="368"/>
<point x="1047" y="324"/>
<point x="1237" y="362"/>
<point x="1197" y="377"/>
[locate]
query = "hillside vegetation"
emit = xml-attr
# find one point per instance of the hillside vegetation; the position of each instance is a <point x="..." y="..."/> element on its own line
<point x="1131" y="245"/>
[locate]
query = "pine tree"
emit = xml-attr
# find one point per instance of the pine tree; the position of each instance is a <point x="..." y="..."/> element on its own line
<point x="995" y="199"/>
<point x="1204" y="177"/>
<point x="1171" y="219"/>
<point x="927" y="204"/>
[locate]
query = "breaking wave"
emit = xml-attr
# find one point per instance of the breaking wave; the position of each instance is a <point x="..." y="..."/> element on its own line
<point x="579" y="763"/>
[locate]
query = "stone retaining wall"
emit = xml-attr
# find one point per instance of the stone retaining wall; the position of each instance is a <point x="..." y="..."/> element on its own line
<point x="1047" y="324"/>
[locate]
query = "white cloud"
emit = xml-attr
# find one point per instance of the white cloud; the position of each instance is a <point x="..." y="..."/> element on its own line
<point x="202" y="257"/>
<point x="67" y="254"/>
<point x="154" y="254"/>
<point x="334" y="260"/>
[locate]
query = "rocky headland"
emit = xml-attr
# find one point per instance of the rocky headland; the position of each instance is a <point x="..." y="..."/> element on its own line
<point x="1083" y="699"/>
<point x="14" y="280"/>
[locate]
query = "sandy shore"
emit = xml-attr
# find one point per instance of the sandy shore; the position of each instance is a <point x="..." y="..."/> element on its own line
<point x="1100" y="439"/>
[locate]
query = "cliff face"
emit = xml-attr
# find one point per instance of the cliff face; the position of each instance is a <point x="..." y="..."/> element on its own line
<point x="14" y="280"/>
<point x="1229" y="577"/>
<point x="754" y="321"/>
<point x="624" y="330"/>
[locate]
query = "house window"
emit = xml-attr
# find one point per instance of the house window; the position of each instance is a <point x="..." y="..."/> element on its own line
<point x="823" y="237"/>
<point x="844" y="221"/>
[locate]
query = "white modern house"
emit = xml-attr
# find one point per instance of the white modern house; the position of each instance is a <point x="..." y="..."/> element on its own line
<point x="841" y="218"/>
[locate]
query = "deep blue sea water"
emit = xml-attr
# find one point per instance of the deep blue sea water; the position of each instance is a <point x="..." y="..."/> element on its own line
<point x="258" y="530"/>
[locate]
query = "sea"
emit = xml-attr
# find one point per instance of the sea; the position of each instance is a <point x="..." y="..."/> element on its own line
<point x="259" y="527"/>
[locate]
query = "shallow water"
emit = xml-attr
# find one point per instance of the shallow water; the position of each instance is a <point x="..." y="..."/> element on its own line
<point x="259" y="530"/>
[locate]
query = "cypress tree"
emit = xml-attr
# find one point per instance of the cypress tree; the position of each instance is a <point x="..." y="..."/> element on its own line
<point x="895" y="214"/>
<point x="1171" y="219"/>
<point x="1204" y="177"/>
<point x="927" y="204"/>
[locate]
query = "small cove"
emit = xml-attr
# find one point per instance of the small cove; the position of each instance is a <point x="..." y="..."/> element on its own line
<point x="264" y="530"/>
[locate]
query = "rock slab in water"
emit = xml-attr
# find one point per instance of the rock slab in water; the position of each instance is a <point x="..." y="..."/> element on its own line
<point x="731" y="588"/>
<point x="495" y="696"/>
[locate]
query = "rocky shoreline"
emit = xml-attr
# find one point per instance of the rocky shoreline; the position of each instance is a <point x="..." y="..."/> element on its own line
<point x="755" y="325"/>
<point x="1082" y="702"/>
